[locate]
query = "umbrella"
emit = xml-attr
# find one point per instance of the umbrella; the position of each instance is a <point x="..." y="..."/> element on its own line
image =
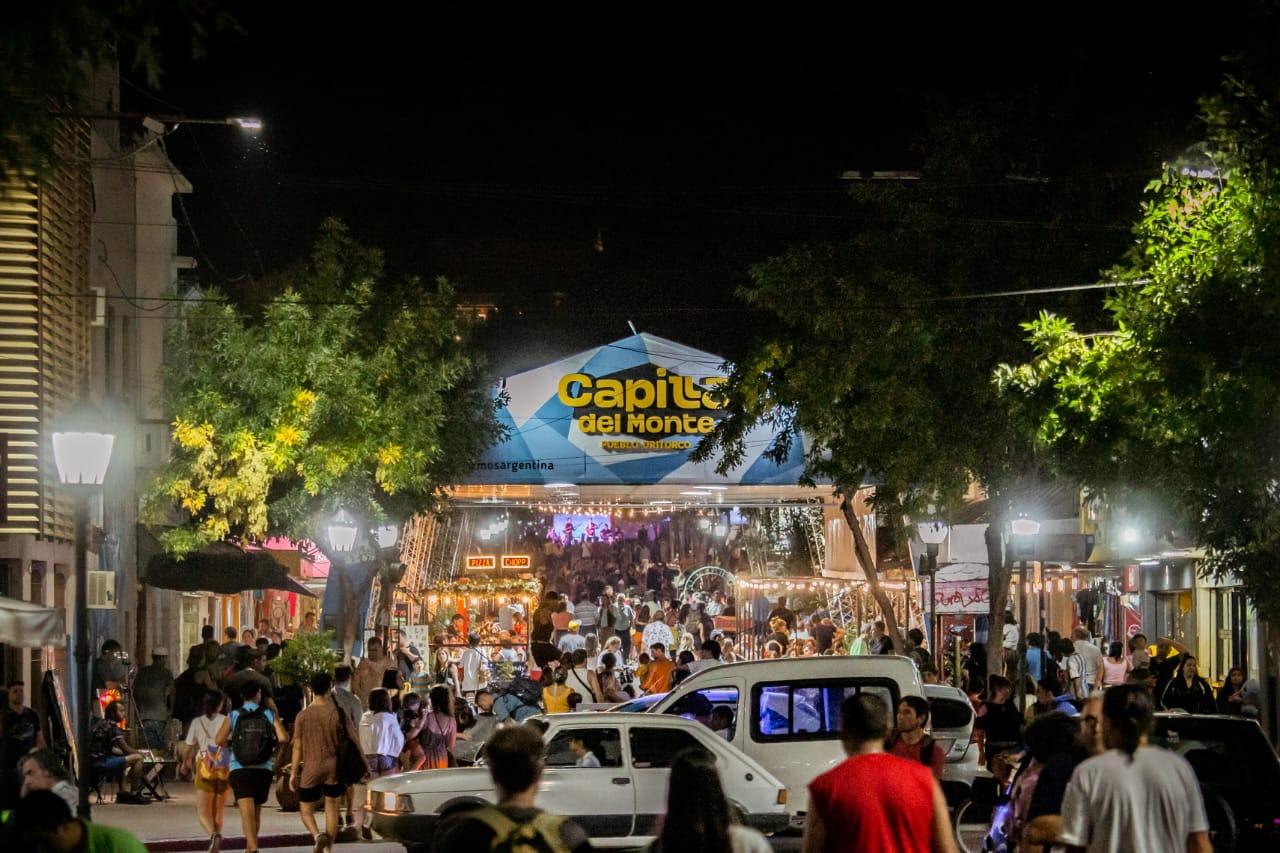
<point x="222" y="567"/>
<point x="26" y="624"/>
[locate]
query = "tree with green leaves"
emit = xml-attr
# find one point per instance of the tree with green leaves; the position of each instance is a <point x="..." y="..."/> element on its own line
<point x="880" y="355"/>
<point x="348" y="391"/>
<point x="1176" y="403"/>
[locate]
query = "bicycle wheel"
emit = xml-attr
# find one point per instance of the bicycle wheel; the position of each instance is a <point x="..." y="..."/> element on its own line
<point x="971" y="822"/>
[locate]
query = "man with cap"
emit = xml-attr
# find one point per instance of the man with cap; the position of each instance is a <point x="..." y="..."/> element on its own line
<point x="573" y="640"/>
<point x="153" y="693"/>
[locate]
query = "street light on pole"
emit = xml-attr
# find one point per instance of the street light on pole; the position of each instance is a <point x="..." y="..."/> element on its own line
<point x="82" y="453"/>
<point x="342" y="530"/>
<point x="932" y="533"/>
<point x="1024" y="530"/>
<point x="161" y="123"/>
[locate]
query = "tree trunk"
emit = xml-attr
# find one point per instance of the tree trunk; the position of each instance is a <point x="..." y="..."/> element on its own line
<point x="868" y="562"/>
<point x="999" y="572"/>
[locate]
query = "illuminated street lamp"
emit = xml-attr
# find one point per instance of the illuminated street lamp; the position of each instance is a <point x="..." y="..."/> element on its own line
<point x="342" y="531"/>
<point x="387" y="535"/>
<point x="932" y="533"/>
<point x="82" y="454"/>
<point x="1023" y="544"/>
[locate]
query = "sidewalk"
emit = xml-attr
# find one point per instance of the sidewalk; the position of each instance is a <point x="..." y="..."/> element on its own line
<point x="172" y="825"/>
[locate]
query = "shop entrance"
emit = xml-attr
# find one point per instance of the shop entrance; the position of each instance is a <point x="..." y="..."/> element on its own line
<point x="1175" y="616"/>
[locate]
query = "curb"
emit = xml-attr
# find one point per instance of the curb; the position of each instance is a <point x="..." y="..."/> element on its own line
<point x="180" y="845"/>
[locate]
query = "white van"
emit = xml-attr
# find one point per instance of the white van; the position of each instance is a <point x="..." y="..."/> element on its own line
<point x="786" y="712"/>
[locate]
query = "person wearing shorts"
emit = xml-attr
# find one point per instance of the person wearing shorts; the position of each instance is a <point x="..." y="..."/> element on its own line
<point x="211" y="794"/>
<point x="382" y="741"/>
<point x="318" y="733"/>
<point x="250" y="785"/>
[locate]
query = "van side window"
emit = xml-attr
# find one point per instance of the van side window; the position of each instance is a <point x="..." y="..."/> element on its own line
<point x="810" y="710"/>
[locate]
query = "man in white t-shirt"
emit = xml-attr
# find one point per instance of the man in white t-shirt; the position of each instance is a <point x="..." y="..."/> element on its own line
<point x="472" y="665"/>
<point x="1091" y="655"/>
<point x="1133" y="797"/>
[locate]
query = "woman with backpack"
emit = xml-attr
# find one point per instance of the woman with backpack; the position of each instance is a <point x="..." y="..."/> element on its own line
<point x="253" y="733"/>
<point x="212" y="768"/>
<point x="439" y="729"/>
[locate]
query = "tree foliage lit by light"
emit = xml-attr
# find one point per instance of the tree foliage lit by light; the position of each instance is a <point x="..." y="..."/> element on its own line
<point x="1181" y="403"/>
<point x="347" y="391"/>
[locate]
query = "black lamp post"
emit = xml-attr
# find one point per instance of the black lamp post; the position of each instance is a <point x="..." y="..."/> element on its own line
<point x="932" y="533"/>
<point x="1024" y="530"/>
<point x="82" y="453"/>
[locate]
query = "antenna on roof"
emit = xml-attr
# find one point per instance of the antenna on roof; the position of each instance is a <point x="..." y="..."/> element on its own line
<point x="633" y="327"/>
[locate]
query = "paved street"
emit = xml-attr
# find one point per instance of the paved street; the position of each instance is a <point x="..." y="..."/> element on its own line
<point x="175" y="821"/>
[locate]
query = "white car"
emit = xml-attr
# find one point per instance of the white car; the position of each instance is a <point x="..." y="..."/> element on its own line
<point x="619" y="804"/>
<point x="951" y="726"/>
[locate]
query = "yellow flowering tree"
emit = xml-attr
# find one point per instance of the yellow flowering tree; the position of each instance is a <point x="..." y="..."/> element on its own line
<point x="345" y="390"/>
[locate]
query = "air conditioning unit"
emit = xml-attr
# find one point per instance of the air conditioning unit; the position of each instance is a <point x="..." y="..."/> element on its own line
<point x="99" y="295"/>
<point x="102" y="591"/>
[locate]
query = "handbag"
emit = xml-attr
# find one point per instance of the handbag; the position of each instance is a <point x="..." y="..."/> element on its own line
<point x="214" y="762"/>
<point x="352" y="767"/>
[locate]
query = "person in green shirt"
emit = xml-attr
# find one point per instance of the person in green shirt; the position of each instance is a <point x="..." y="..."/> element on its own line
<point x="43" y="821"/>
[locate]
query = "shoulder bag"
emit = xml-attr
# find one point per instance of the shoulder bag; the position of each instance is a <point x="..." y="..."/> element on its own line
<point x="352" y="767"/>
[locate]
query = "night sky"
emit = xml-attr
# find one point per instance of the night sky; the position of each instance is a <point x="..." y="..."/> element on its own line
<point x="505" y="158"/>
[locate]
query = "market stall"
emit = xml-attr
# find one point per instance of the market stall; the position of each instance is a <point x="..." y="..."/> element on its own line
<point x="848" y="602"/>
<point x="495" y="608"/>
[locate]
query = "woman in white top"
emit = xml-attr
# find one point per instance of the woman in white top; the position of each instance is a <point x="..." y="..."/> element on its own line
<point x="728" y="654"/>
<point x="382" y="741"/>
<point x="698" y="818"/>
<point x="1009" y="645"/>
<point x="211" y="794"/>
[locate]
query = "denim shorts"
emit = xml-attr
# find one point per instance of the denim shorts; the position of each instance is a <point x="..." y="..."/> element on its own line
<point x="383" y="763"/>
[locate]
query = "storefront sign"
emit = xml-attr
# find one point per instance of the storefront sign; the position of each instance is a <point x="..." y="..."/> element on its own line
<point x="665" y="404"/>
<point x="1131" y="575"/>
<point x="480" y="563"/>
<point x="629" y="412"/>
<point x="516" y="562"/>
<point x="961" y="597"/>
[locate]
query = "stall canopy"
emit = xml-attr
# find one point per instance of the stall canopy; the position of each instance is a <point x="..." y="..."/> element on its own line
<point x="25" y="624"/>
<point x="222" y="567"/>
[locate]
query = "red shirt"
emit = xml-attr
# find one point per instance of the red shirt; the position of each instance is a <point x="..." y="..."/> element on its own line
<point x="875" y="803"/>
<point x="911" y="752"/>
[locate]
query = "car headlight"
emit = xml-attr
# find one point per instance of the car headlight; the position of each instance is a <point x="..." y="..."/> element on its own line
<point x="387" y="801"/>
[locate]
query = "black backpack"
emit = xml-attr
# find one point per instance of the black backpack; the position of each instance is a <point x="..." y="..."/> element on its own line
<point x="253" y="741"/>
<point x="526" y="690"/>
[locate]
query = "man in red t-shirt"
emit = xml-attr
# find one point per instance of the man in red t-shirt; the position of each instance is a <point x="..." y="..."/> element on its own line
<point x="909" y="741"/>
<point x="874" y="802"/>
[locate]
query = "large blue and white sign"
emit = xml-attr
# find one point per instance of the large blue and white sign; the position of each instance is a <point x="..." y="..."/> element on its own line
<point x="626" y="413"/>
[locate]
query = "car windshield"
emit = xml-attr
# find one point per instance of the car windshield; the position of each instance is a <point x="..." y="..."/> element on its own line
<point x="946" y="712"/>
<point x="640" y="704"/>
